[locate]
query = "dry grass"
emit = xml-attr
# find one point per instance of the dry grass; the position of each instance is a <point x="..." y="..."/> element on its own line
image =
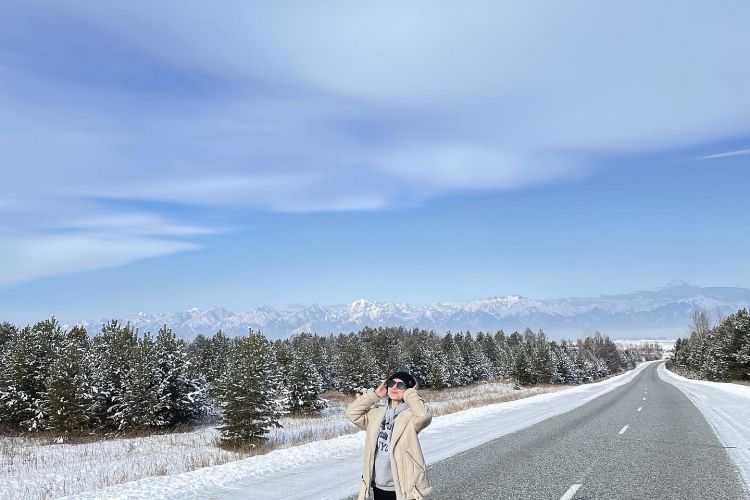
<point x="445" y="405"/>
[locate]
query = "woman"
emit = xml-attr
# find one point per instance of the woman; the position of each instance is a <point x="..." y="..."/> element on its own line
<point x="394" y="465"/>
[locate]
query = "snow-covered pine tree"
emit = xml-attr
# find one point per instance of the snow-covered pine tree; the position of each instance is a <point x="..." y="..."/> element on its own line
<point x="504" y="357"/>
<point x="699" y="330"/>
<point x="284" y="353"/>
<point x="741" y="341"/>
<point x="7" y="331"/>
<point x="565" y="371"/>
<point x="630" y="359"/>
<point x="221" y="346"/>
<point x="585" y="371"/>
<point x="68" y="396"/>
<point x="385" y="348"/>
<point x="486" y="343"/>
<point x="457" y="372"/>
<point x="355" y="368"/>
<point x="553" y="369"/>
<point x="17" y="384"/>
<point x="182" y="397"/>
<point x="541" y="358"/>
<point x="199" y="356"/>
<point x="110" y="357"/>
<point x="304" y="384"/>
<point x="478" y="364"/>
<point x="523" y="369"/>
<point x="252" y="397"/>
<point x="416" y="356"/>
<point x="46" y="338"/>
<point x="138" y="405"/>
<point x="716" y="359"/>
<point x="600" y="368"/>
<point x="438" y="376"/>
<point x="317" y="353"/>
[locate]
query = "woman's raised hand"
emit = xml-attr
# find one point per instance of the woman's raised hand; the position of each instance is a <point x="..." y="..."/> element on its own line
<point x="381" y="391"/>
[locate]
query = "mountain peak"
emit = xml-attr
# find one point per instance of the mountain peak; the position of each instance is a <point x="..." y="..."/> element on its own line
<point x="676" y="283"/>
<point x="663" y="312"/>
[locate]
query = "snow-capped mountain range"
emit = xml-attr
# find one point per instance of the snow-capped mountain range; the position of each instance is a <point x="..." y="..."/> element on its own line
<point x="661" y="313"/>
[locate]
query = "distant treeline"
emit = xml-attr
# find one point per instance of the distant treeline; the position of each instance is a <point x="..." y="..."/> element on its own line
<point x="721" y="352"/>
<point x="120" y="380"/>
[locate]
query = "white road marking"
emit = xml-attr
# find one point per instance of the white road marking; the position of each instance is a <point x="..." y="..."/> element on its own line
<point x="571" y="491"/>
<point x="622" y="431"/>
<point x="644" y="399"/>
<point x="639" y="408"/>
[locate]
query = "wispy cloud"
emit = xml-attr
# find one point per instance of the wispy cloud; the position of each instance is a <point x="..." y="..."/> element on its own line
<point x="29" y="256"/>
<point x="183" y="105"/>
<point x="738" y="152"/>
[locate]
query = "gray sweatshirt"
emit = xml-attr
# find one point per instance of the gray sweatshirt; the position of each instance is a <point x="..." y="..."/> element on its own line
<point x="383" y="475"/>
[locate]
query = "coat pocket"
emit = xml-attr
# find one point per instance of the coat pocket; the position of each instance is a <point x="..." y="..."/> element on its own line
<point x="418" y="482"/>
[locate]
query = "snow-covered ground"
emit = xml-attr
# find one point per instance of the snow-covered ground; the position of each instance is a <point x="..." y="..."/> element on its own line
<point x="330" y="469"/>
<point x="666" y="344"/>
<point x="726" y="407"/>
<point x="32" y="468"/>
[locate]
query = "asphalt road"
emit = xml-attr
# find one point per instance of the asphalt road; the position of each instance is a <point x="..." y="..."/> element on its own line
<point x="644" y="440"/>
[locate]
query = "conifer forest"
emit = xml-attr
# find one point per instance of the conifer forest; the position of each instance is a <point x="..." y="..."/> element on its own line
<point x="117" y="380"/>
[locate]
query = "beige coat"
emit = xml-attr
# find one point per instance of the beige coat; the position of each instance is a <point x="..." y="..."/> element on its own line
<point x="407" y="462"/>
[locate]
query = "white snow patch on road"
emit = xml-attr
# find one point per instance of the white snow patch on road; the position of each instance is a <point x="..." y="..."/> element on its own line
<point x="331" y="469"/>
<point x="726" y="407"/>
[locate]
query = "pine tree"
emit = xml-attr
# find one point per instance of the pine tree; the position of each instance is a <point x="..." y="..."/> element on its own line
<point x="138" y="405"/>
<point x="699" y="332"/>
<point x="251" y="398"/>
<point x="68" y="396"/>
<point x="284" y="353"/>
<point x="199" y="356"/>
<point x="503" y="364"/>
<point x="489" y="347"/>
<point x="17" y="385"/>
<point x="7" y="332"/>
<point x="565" y="370"/>
<point x="182" y="397"/>
<point x="221" y="345"/>
<point x="315" y="348"/>
<point x="541" y="358"/>
<point x="304" y="384"/>
<point x="355" y="368"/>
<point x="438" y="375"/>
<point x="523" y="369"/>
<point x="477" y="362"/>
<point x="385" y="348"/>
<point x="457" y="372"/>
<point x="416" y="356"/>
<point x="26" y="365"/>
<point x="110" y="360"/>
<point x="741" y="343"/>
<point x="585" y="370"/>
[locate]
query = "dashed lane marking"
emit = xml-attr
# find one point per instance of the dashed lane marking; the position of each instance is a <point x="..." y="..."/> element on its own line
<point x="622" y="431"/>
<point x="639" y="408"/>
<point x="571" y="491"/>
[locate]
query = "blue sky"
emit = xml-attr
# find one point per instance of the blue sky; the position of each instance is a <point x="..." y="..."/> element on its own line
<point x="156" y="158"/>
